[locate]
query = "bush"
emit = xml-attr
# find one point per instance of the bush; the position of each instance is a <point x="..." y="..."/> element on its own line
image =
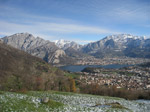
<point x="24" y="91"/>
<point x="114" y="92"/>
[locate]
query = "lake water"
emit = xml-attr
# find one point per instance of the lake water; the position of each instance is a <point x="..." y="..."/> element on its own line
<point x="79" y="68"/>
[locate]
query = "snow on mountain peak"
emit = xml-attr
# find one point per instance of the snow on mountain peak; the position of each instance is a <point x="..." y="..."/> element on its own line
<point x="61" y="43"/>
<point x="64" y="44"/>
<point x="124" y="37"/>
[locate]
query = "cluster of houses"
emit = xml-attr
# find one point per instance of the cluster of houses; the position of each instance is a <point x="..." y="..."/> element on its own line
<point x="132" y="78"/>
<point x="106" y="61"/>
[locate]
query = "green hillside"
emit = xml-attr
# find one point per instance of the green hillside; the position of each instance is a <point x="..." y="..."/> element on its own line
<point x="21" y="71"/>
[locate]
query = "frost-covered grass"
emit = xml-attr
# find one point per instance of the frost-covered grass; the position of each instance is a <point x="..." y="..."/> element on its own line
<point x="66" y="102"/>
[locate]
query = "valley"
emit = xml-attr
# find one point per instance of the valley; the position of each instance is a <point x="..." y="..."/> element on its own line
<point x="29" y="63"/>
<point x="74" y="55"/>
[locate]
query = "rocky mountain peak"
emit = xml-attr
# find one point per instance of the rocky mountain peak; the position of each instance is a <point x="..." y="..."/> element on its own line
<point x="124" y="37"/>
<point x="36" y="46"/>
<point x="1" y="41"/>
<point x="61" y="43"/>
<point x="65" y="44"/>
<point x="119" y="45"/>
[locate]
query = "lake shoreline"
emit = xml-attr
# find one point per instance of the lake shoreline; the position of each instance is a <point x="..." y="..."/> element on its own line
<point x="79" y="68"/>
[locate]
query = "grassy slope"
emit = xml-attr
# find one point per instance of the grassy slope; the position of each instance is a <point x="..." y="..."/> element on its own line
<point x="62" y="101"/>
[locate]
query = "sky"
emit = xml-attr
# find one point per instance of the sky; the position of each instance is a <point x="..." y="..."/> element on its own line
<point x="82" y="21"/>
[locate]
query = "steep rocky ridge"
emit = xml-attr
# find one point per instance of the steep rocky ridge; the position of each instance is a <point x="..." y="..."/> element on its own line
<point x="119" y="45"/>
<point x="36" y="46"/>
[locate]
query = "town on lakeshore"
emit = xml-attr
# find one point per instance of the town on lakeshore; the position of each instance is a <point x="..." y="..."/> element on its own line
<point x="74" y="55"/>
<point x="132" y="78"/>
<point x="107" y="61"/>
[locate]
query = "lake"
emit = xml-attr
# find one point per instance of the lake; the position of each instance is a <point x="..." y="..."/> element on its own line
<point x="79" y="68"/>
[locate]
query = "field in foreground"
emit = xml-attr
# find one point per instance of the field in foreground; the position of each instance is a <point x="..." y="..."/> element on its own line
<point x="67" y="102"/>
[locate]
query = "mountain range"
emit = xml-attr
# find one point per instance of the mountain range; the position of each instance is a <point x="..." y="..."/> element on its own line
<point x="37" y="46"/>
<point x="119" y="45"/>
<point x="66" y="52"/>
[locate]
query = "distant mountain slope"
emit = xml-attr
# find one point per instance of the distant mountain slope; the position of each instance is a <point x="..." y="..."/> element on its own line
<point x="75" y="53"/>
<point x="71" y="48"/>
<point x="36" y="46"/>
<point x="20" y="70"/>
<point x="65" y="44"/>
<point x="119" y="45"/>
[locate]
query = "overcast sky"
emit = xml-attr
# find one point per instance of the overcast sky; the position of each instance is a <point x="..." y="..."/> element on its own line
<point x="82" y="21"/>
